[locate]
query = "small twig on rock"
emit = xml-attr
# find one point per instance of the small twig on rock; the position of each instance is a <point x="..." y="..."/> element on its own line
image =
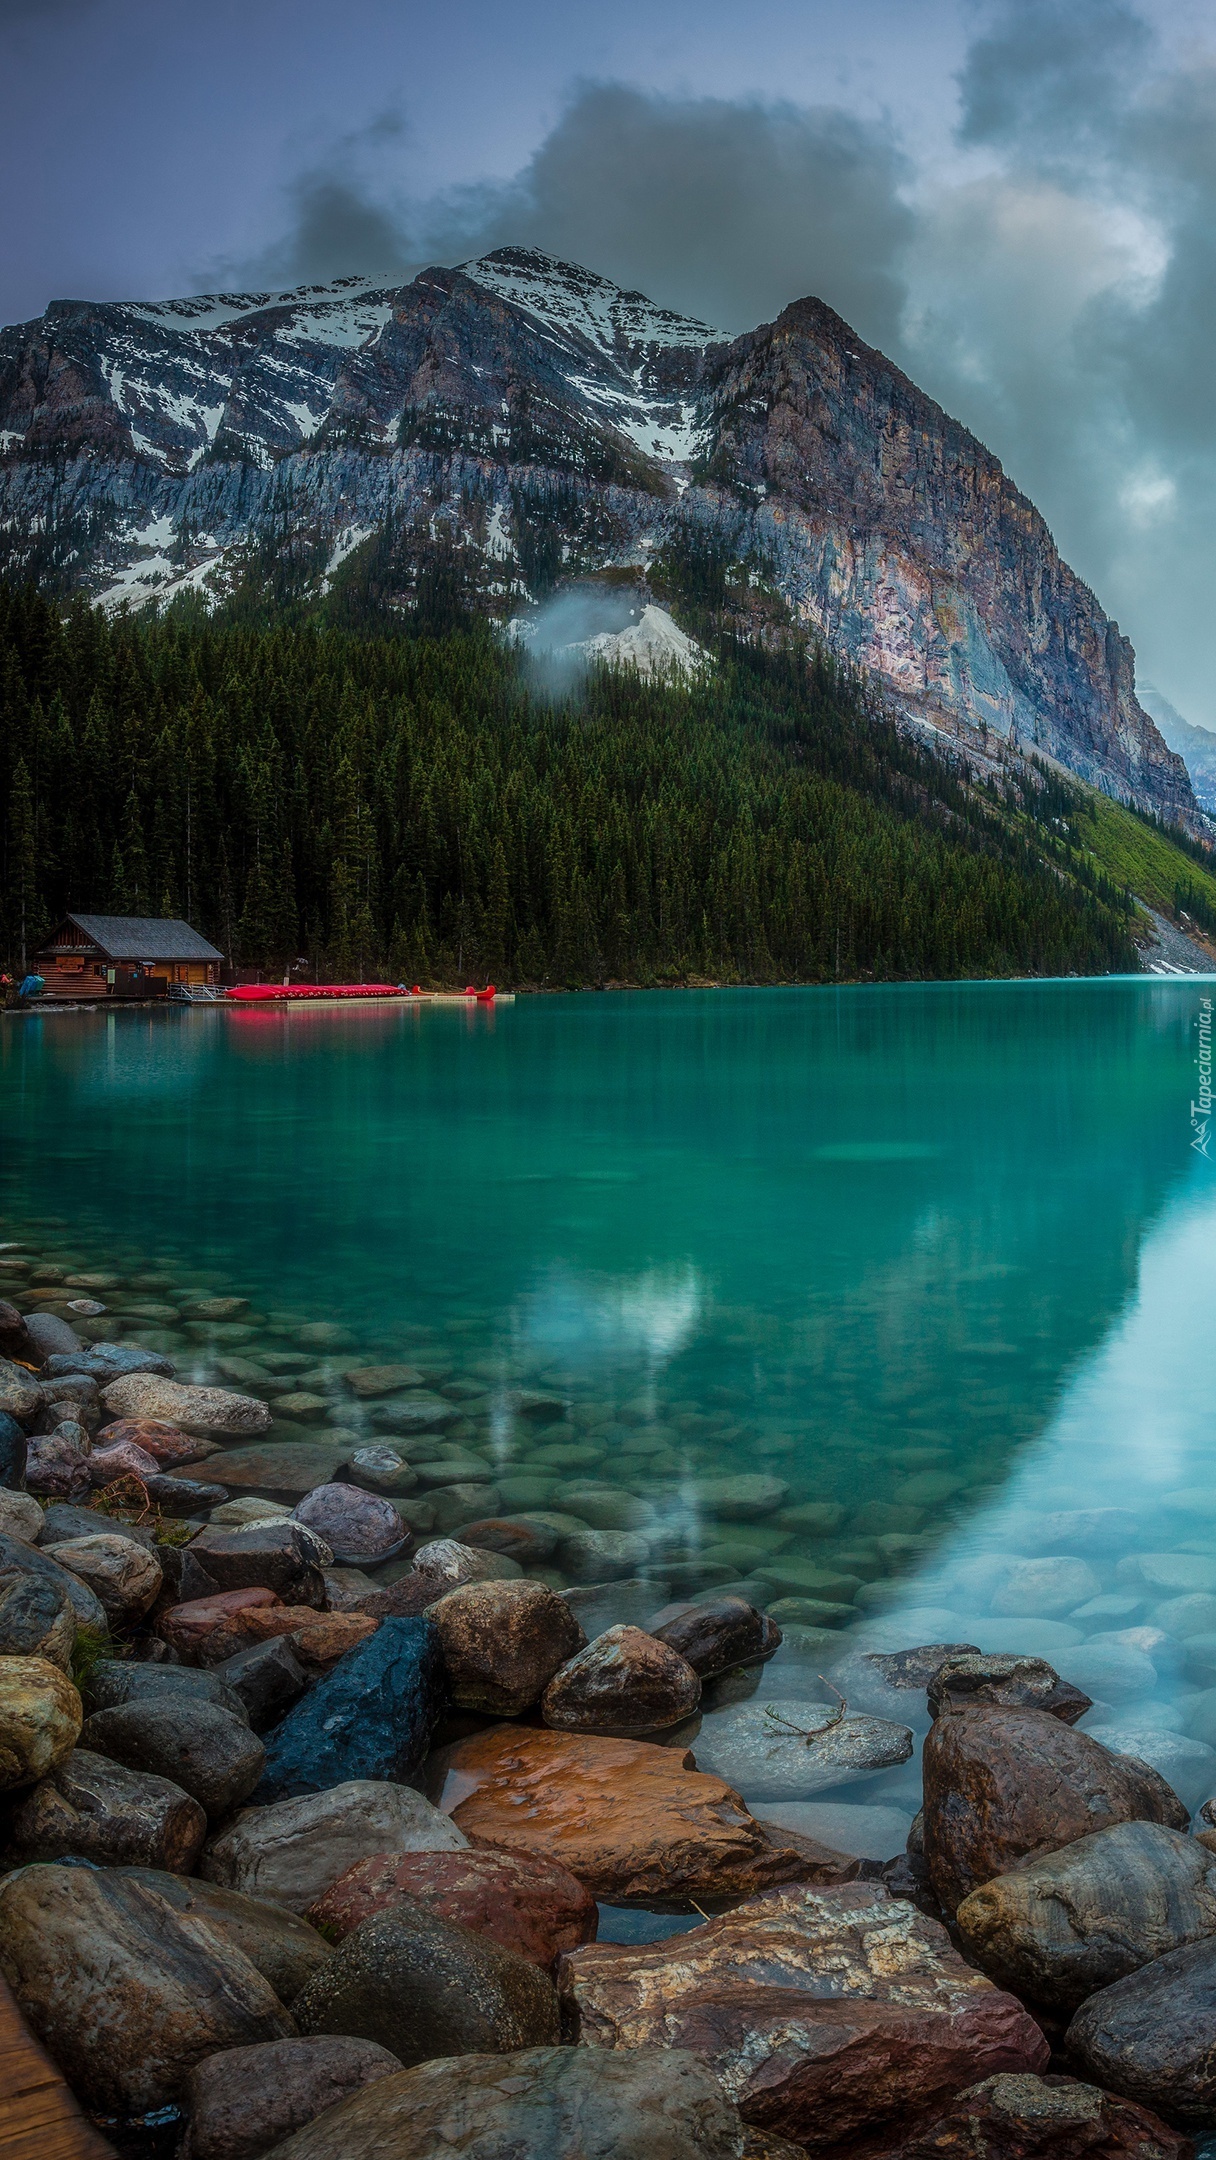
<point x="789" y="1730"/>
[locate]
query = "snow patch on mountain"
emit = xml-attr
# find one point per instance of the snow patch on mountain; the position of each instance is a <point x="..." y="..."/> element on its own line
<point x="215" y="311"/>
<point x="654" y="644"/>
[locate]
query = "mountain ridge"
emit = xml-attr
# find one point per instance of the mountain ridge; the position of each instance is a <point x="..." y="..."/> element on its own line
<point x="544" y="424"/>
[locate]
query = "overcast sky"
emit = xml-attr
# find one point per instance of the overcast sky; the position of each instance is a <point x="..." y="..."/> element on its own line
<point x="1015" y="198"/>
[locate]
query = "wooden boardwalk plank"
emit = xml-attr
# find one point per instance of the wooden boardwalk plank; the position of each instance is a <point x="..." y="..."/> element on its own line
<point x="39" y="2119"/>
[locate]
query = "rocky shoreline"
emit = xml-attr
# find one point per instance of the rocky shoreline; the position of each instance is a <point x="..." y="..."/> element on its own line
<point x="364" y="1791"/>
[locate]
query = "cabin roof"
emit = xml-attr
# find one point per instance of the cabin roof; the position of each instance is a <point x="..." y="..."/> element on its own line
<point x="141" y="937"/>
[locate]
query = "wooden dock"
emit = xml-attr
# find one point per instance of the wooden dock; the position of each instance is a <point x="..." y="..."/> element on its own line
<point x="39" y="2119"/>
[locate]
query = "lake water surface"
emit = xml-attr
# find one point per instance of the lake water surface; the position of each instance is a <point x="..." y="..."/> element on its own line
<point x="938" y="1261"/>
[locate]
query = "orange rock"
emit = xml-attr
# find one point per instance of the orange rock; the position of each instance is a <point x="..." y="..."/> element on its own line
<point x="320" y="1638"/>
<point x="636" y="1823"/>
<point x="187" y="1627"/>
<point x="525" y="1904"/>
<point x="325" y="1637"/>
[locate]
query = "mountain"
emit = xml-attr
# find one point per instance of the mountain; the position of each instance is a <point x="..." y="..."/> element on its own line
<point x="531" y="423"/>
<point x="1195" y="745"/>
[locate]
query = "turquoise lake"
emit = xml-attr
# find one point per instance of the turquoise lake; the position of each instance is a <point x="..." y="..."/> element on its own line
<point x="938" y="1260"/>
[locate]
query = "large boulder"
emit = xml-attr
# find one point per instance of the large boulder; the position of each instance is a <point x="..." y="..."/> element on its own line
<point x="624" y="1682"/>
<point x="1018" y="2116"/>
<point x="1064" y="1926"/>
<point x="211" y="1754"/>
<point x="293" y="1851"/>
<point x="788" y="1749"/>
<point x="372" y="1717"/>
<point x="197" y="1409"/>
<point x="124" y="1577"/>
<point x="361" y="1529"/>
<point x="125" y="1994"/>
<point x="277" y="1555"/>
<point x="19" y="1558"/>
<point x="422" y="1985"/>
<point x="1003" y="1787"/>
<point x="546" y="2103"/>
<point x="530" y="1906"/>
<point x="633" y="1821"/>
<point x="718" y="1635"/>
<point x="1008" y="1683"/>
<point x="286" y="1950"/>
<point x="40" y="1719"/>
<point x="1149" y="2036"/>
<point x="36" y="1620"/>
<point x="113" y="1681"/>
<point x="88" y="1808"/>
<point x="502" y="1643"/>
<point x="244" y="2101"/>
<point x="833" y="2017"/>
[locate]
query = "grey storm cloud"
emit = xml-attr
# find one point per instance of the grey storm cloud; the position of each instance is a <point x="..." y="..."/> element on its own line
<point x="726" y="211"/>
<point x="1047" y="74"/>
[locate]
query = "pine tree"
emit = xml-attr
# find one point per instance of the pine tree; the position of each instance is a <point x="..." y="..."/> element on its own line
<point x="27" y="916"/>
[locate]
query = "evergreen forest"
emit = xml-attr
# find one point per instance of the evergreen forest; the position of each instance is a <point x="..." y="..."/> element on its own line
<point x="417" y="807"/>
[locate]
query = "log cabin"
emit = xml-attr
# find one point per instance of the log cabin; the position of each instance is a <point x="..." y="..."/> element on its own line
<point x="99" y="956"/>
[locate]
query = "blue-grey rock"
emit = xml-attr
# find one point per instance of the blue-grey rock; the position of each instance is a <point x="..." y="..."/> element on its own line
<point x="62" y="1363"/>
<point x="371" y="1717"/>
<point x="113" y="1361"/>
<point x="13" y="1446"/>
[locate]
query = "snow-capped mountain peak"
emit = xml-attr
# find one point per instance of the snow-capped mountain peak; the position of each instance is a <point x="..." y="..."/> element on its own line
<point x="575" y="302"/>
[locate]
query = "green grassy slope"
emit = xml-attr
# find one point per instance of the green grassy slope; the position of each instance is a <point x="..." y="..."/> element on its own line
<point x="1158" y="867"/>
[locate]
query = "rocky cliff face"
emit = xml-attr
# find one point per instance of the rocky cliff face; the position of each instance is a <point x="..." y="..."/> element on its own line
<point x="540" y="423"/>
